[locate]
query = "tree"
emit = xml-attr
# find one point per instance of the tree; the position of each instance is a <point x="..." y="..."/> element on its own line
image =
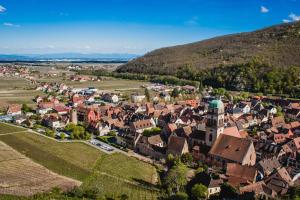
<point x="179" y="196"/>
<point x="187" y="158"/>
<point x="228" y="192"/>
<point x="26" y="108"/>
<point x="175" y="93"/>
<point x="147" y="94"/>
<point x="199" y="191"/>
<point x="152" y="131"/>
<point x="50" y="133"/>
<point x="176" y="178"/>
<point x="62" y="136"/>
<point x="124" y="197"/>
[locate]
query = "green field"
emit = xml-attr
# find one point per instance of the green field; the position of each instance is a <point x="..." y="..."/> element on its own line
<point x="5" y="128"/>
<point x="114" y="174"/>
<point x="75" y="160"/>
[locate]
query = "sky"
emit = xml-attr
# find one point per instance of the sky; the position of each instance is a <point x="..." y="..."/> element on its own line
<point x="130" y="26"/>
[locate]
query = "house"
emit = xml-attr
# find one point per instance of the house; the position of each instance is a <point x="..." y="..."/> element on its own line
<point x="14" y="109"/>
<point x="214" y="186"/>
<point x="62" y="110"/>
<point x="268" y="166"/>
<point x="112" y="98"/>
<point x="293" y="113"/>
<point x="277" y="121"/>
<point x="141" y="125"/>
<point x="135" y="98"/>
<point x="152" y="146"/>
<point x="19" y="119"/>
<point x="260" y="190"/>
<point x="279" y="181"/>
<point x="44" y="107"/>
<point x="240" y="175"/>
<point x="177" y="146"/>
<point x="228" y="149"/>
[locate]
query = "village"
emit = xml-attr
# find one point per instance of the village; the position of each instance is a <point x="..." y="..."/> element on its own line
<point x="251" y="143"/>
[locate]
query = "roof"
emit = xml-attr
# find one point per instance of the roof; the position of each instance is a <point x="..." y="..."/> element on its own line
<point x="176" y="144"/>
<point x="14" y="108"/>
<point x="141" y="124"/>
<point x="258" y="188"/>
<point x="216" y="104"/>
<point x="155" y="140"/>
<point x="231" y="148"/>
<point x="233" y="131"/>
<point x="269" y="165"/>
<point x="246" y="173"/>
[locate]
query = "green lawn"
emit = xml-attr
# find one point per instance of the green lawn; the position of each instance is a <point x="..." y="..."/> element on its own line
<point x="5" y="128"/>
<point x="114" y="174"/>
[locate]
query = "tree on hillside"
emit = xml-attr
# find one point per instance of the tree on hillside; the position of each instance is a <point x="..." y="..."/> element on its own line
<point x="176" y="178"/>
<point x="199" y="191"/>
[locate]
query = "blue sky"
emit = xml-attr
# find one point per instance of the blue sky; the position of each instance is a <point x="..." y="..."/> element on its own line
<point x="130" y="26"/>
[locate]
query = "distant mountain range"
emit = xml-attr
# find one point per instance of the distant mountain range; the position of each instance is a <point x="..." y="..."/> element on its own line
<point x="278" y="46"/>
<point x="68" y="57"/>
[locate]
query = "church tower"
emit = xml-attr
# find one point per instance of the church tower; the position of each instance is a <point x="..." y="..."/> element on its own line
<point x="215" y="121"/>
<point x="73" y="116"/>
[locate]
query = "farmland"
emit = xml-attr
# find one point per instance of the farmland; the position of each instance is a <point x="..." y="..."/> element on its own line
<point x="16" y="90"/>
<point x="95" y="169"/>
<point x="22" y="177"/>
<point x="108" y="83"/>
<point x="5" y="128"/>
<point x="74" y="160"/>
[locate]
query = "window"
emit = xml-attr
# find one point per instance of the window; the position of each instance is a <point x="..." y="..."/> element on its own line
<point x="210" y="137"/>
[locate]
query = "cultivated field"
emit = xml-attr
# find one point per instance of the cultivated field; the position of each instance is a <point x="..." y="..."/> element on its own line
<point x="118" y="174"/>
<point x="114" y="174"/>
<point x="75" y="160"/>
<point x="6" y="128"/>
<point x="16" y="90"/>
<point x="22" y="177"/>
<point x="108" y="83"/>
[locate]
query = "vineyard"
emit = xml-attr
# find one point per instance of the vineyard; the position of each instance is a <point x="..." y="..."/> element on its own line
<point x="22" y="177"/>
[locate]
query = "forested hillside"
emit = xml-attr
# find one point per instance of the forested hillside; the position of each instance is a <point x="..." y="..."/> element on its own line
<point x="277" y="46"/>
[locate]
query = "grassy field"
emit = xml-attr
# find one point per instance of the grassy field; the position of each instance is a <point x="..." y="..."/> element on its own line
<point x="5" y="128"/>
<point x="13" y="90"/>
<point x="114" y="174"/>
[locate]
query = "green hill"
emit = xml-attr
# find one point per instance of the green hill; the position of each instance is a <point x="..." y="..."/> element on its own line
<point x="277" y="46"/>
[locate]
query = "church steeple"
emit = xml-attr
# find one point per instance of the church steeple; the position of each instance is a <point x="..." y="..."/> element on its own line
<point x="215" y="121"/>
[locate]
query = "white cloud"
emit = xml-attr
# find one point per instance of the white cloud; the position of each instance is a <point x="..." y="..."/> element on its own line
<point x="10" y="24"/>
<point x="193" y="21"/>
<point x="294" y="17"/>
<point x="263" y="9"/>
<point x="286" y="21"/>
<point x="2" y="9"/>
